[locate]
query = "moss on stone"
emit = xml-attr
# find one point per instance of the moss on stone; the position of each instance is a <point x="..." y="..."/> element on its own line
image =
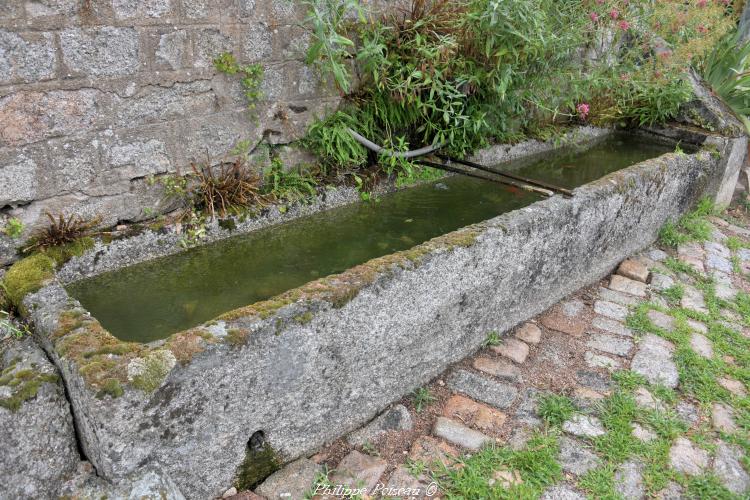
<point x="304" y="318"/>
<point x="342" y="288"/>
<point x="107" y="363"/>
<point x="4" y="299"/>
<point x="90" y="340"/>
<point x="98" y="373"/>
<point x="117" y="349"/>
<point x="111" y="387"/>
<point x="256" y="467"/>
<point x="186" y="345"/>
<point x="148" y="373"/>
<point x="25" y="384"/>
<point x="27" y="276"/>
<point x="63" y="253"/>
<point x="237" y="336"/>
<point x="98" y="355"/>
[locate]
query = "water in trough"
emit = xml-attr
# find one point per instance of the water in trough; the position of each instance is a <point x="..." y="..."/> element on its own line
<point x="154" y="299"/>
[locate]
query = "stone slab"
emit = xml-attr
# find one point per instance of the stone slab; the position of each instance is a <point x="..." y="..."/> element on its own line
<point x="576" y="457"/>
<point x="513" y="349"/>
<point x="633" y="269"/>
<point x="497" y="394"/>
<point x="473" y="414"/>
<point x="293" y="481"/>
<point x="357" y="470"/>
<point x="627" y="285"/>
<point x="498" y="367"/>
<point x="459" y="435"/>
<point x="611" y="310"/>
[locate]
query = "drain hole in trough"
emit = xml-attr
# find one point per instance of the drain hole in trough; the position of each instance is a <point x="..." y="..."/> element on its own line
<point x="257" y="441"/>
<point x="260" y="462"/>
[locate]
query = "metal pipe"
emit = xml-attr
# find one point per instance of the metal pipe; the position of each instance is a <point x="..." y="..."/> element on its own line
<point x="520" y="178"/>
<point x="528" y="184"/>
<point x="447" y="168"/>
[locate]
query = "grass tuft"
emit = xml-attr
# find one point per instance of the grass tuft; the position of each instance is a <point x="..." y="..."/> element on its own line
<point x="555" y="409"/>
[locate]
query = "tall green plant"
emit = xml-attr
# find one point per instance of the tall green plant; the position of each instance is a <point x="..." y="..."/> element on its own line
<point x="330" y="47"/>
<point x="727" y="70"/>
<point x="442" y="71"/>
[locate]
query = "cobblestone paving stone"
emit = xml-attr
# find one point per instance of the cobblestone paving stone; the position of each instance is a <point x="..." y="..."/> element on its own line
<point x="636" y="385"/>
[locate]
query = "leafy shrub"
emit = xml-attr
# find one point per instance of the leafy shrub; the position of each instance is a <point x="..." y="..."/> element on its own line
<point x="329" y="48"/>
<point x="330" y="140"/>
<point x="464" y="73"/>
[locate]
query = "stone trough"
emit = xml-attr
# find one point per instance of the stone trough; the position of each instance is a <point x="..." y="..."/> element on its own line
<point x="276" y="380"/>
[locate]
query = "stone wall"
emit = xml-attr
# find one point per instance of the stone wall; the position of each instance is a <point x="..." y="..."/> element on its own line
<point x="96" y="95"/>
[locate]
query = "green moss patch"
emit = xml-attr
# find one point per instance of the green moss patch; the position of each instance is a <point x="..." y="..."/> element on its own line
<point x="112" y="388"/>
<point x="63" y="253"/>
<point x="148" y="373"/>
<point x="256" y="467"/>
<point x="237" y="336"/>
<point x="186" y="345"/>
<point x="107" y="364"/>
<point x="25" y="385"/>
<point x="26" y="276"/>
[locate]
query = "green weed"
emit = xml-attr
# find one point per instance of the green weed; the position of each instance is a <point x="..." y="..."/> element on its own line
<point x="493" y="338"/>
<point x="537" y="465"/>
<point x="600" y="483"/>
<point x="422" y="398"/>
<point x="674" y="293"/>
<point x="13" y="228"/>
<point x="555" y="409"/>
<point x="251" y="76"/>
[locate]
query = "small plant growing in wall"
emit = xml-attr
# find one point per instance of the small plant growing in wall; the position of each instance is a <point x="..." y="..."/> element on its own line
<point x="63" y="230"/>
<point x="493" y="338"/>
<point x="13" y="228"/>
<point x="251" y="76"/>
<point x="65" y="237"/>
<point x="8" y="327"/>
<point x="195" y="230"/>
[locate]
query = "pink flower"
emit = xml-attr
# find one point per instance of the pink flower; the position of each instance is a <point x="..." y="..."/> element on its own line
<point x="664" y="54"/>
<point x="624" y="77"/>
<point x="702" y="3"/>
<point x="614" y="14"/>
<point x="594" y="17"/>
<point x="702" y="29"/>
<point x="624" y="25"/>
<point x="583" y="110"/>
<point x="600" y="2"/>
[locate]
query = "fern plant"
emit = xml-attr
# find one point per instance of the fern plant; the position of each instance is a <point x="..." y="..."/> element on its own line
<point x="292" y="185"/>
